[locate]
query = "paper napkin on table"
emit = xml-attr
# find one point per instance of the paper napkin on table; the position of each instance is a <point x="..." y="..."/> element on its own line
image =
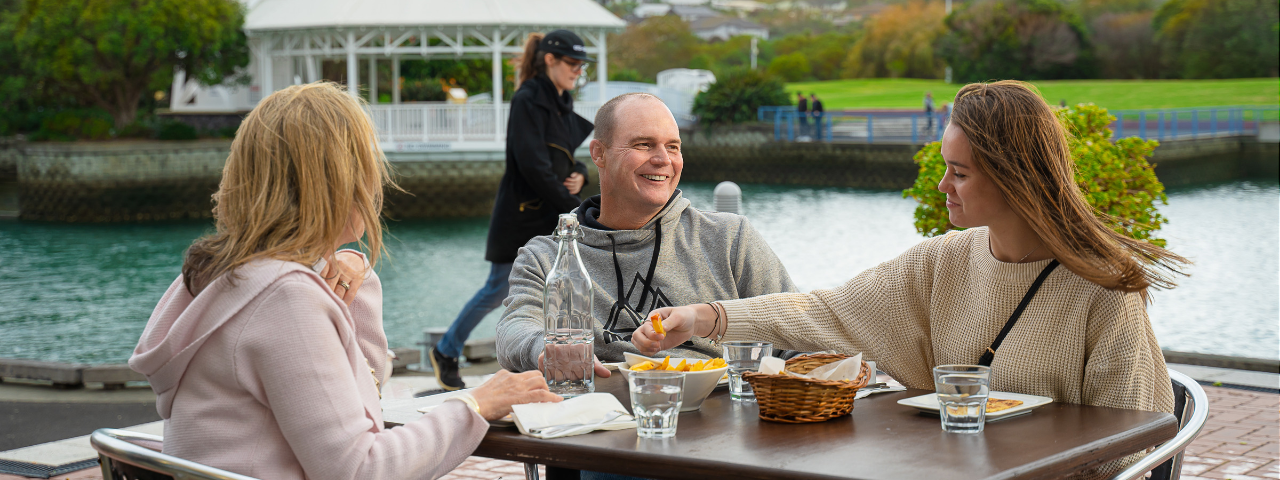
<point x="587" y="411"/>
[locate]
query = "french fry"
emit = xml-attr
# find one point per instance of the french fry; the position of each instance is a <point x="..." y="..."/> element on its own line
<point x="666" y="364"/>
<point x="682" y="367"/>
<point x="643" y="366"/>
<point x="697" y="367"/>
<point x="656" y="320"/>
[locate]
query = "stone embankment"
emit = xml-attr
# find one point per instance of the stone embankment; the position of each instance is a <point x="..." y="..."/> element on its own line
<point x="147" y="180"/>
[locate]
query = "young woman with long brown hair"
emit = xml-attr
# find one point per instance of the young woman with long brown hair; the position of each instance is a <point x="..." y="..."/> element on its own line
<point x="1084" y="336"/>
<point x="267" y="352"/>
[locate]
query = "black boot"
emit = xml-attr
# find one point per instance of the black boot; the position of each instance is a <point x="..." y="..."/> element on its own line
<point x="446" y="369"/>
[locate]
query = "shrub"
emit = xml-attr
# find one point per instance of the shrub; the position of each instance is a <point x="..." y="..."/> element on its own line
<point x="624" y="75"/>
<point x="1114" y="177"/>
<point x="171" y="130"/>
<point x="792" y="67"/>
<point x="74" y="124"/>
<point x="737" y="95"/>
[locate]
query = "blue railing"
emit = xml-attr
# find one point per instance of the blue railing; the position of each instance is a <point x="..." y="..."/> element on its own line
<point x="918" y="127"/>
<point x="1180" y="123"/>
<point x="854" y="126"/>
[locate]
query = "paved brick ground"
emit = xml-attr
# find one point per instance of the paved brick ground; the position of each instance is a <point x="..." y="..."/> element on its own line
<point x="1241" y="441"/>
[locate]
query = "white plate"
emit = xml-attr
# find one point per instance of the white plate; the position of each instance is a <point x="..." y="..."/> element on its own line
<point x="929" y="403"/>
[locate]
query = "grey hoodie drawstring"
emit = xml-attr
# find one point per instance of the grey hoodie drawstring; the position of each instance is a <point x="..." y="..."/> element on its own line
<point x="611" y="332"/>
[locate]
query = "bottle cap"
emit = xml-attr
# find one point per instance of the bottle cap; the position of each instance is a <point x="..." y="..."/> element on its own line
<point x="567" y="226"/>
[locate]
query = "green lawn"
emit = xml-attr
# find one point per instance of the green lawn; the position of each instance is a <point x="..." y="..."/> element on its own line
<point x="1112" y="94"/>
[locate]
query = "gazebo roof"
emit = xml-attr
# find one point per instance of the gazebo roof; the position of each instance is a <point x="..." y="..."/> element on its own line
<point x="284" y="15"/>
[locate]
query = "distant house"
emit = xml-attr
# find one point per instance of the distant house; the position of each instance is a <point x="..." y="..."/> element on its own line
<point x="646" y="10"/>
<point x="740" y="6"/>
<point x="692" y="13"/>
<point x="724" y="28"/>
<point x="822" y="5"/>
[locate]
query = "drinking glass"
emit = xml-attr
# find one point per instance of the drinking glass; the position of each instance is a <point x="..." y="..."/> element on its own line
<point x="962" y="396"/>
<point x="744" y="357"/>
<point x="656" y="396"/>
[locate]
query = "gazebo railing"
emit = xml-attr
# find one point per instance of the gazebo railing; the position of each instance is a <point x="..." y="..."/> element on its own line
<point x="444" y="123"/>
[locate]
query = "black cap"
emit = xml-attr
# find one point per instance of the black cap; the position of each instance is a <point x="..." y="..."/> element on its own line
<point x="565" y="43"/>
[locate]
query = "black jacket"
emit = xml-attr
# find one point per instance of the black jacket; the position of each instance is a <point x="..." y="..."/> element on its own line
<point x="542" y="133"/>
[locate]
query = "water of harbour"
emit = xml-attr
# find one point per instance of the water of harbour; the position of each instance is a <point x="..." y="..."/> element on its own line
<point x="82" y="293"/>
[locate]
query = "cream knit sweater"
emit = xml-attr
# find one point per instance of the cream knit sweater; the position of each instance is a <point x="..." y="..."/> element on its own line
<point x="945" y="300"/>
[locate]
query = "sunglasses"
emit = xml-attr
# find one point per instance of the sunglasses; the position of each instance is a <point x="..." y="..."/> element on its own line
<point x="577" y="66"/>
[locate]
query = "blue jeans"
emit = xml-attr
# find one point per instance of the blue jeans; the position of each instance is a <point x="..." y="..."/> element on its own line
<point x="486" y="300"/>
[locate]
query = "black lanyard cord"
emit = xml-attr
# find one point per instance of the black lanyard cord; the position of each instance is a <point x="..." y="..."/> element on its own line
<point x="990" y="354"/>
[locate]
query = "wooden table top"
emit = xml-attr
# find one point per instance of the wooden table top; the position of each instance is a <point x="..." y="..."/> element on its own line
<point x="879" y="440"/>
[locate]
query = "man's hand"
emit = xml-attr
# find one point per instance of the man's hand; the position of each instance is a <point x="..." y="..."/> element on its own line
<point x="348" y="281"/>
<point x="677" y="321"/>
<point x="505" y="389"/>
<point x="575" y="182"/>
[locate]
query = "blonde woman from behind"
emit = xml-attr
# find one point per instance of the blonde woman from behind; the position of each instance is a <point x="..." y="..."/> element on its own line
<point x="267" y="352"/>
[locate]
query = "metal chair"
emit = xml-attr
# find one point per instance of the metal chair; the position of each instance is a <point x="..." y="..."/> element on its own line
<point x="127" y="455"/>
<point x="1165" y="462"/>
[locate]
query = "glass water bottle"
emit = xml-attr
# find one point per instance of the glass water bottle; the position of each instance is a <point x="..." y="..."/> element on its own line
<point x="566" y="308"/>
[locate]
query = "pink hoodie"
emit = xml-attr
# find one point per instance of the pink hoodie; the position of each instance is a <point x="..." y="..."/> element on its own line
<point x="265" y="375"/>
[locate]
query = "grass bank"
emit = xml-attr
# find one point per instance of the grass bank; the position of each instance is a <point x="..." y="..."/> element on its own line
<point x="1112" y="94"/>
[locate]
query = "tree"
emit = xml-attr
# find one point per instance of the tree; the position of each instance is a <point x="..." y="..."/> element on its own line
<point x="1126" y="46"/>
<point x="1219" y="38"/>
<point x="791" y="67"/>
<point x="110" y="53"/>
<point x="1114" y="177"/>
<point x="652" y="46"/>
<point x="1022" y="39"/>
<point x="825" y="53"/>
<point x="899" y="43"/>
<point x="737" y="95"/>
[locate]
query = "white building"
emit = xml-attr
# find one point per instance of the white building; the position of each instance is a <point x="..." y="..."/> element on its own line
<point x="724" y="28"/>
<point x="289" y="40"/>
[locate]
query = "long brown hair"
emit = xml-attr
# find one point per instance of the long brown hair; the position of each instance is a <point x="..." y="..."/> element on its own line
<point x="531" y="63"/>
<point x="1018" y="143"/>
<point x="303" y="160"/>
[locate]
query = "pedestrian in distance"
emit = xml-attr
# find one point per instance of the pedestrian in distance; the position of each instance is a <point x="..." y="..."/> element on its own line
<point x="816" y="111"/>
<point x="542" y="179"/>
<point x="928" y="110"/>
<point x="802" y="111"/>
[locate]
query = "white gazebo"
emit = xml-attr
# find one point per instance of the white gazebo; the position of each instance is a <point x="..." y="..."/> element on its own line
<point x="288" y="39"/>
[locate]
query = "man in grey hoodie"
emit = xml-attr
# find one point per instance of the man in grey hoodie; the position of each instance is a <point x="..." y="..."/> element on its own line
<point x="644" y="246"/>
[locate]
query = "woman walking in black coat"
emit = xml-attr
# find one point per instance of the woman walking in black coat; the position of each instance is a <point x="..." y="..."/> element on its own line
<point x="542" y="179"/>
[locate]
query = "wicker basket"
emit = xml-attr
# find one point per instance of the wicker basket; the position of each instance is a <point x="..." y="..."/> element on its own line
<point x="783" y="398"/>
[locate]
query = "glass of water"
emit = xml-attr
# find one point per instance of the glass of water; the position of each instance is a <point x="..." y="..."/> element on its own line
<point x="656" y="396"/>
<point x="962" y="396"/>
<point x="744" y="357"/>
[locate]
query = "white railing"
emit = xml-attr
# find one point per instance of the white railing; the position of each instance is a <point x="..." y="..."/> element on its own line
<point x="443" y="126"/>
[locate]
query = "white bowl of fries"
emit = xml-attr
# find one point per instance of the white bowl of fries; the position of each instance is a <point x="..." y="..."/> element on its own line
<point x="700" y="374"/>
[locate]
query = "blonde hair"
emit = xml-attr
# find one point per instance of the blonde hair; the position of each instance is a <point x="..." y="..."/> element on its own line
<point x="302" y="161"/>
<point x="1018" y="143"/>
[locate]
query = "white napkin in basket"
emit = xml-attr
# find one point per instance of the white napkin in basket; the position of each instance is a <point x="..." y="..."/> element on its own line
<point x="847" y="369"/>
<point x="584" y="414"/>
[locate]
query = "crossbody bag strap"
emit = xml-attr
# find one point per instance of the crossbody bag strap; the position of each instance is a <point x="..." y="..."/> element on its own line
<point x="990" y="354"/>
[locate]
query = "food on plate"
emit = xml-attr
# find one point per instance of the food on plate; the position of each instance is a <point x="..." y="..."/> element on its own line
<point x="683" y="366"/>
<point x="998" y="404"/>
<point x="656" y="320"/>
